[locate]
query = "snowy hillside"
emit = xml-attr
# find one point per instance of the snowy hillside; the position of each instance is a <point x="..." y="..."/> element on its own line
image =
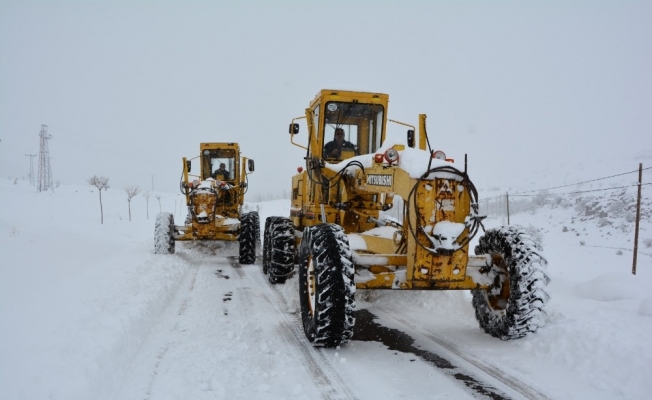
<point x="87" y="311"/>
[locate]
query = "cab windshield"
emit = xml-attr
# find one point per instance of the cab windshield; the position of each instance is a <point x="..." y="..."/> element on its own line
<point x="351" y="129"/>
<point x="220" y="163"/>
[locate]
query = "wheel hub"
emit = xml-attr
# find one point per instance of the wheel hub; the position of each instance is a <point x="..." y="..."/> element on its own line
<point x="498" y="294"/>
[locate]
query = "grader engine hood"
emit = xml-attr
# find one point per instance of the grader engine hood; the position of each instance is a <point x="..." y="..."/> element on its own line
<point x="203" y="206"/>
<point x="203" y="202"/>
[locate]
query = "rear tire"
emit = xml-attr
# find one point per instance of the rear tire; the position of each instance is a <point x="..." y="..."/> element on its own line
<point x="326" y="287"/>
<point x="267" y="247"/>
<point x="280" y="249"/>
<point x="164" y="234"/>
<point x="247" y="237"/>
<point x="516" y="303"/>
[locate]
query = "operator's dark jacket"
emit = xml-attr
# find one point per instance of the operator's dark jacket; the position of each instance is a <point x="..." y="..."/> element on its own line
<point x="332" y="145"/>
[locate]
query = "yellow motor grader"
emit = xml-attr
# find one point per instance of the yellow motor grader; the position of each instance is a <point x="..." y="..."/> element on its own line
<point x="339" y="234"/>
<point x="214" y="198"/>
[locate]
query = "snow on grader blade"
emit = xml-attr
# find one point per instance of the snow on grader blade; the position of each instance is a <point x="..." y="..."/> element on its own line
<point x="344" y="234"/>
<point x="215" y="198"/>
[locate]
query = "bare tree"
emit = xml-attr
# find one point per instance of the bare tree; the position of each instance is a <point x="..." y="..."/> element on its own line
<point x="131" y="192"/>
<point x="101" y="183"/>
<point x="146" y="196"/>
<point x="158" y="197"/>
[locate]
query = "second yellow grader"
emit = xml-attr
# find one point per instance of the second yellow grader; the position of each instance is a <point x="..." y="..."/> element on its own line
<point x="214" y="199"/>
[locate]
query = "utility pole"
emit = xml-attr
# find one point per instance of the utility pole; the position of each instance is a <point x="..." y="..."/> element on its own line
<point x="638" y="216"/>
<point x="31" y="168"/>
<point x="507" y="201"/>
<point x="44" y="169"/>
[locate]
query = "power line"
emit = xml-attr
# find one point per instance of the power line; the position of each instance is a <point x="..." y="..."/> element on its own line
<point x="580" y="183"/>
<point x="583" y="191"/>
<point x="523" y="194"/>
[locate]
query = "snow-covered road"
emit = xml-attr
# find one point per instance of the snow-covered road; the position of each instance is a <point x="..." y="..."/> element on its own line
<point x="230" y="334"/>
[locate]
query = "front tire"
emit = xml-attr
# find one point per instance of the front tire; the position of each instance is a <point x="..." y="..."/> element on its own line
<point x="516" y="303"/>
<point x="326" y="287"/>
<point x="164" y="234"/>
<point x="247" y="237"/>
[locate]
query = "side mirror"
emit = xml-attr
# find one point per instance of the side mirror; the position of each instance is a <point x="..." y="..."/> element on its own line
<point x="410" y="138"/>
<point x="188" y="164"/>
<point x="294" y="129"/>
<point x="250" y="165"/>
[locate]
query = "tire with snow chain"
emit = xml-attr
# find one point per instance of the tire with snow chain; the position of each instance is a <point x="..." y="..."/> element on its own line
<point x="280" y="249"/>
<point x="515" y="305"/>
<point x="267" y="247"/>
<point x="247" y="237"/>
<point x="326" y="287"/>
<point x="164" y="234"/>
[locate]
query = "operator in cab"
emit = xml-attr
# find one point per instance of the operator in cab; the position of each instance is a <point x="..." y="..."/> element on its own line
<point x="333" y="149"/>
<point x="221" y="173"/>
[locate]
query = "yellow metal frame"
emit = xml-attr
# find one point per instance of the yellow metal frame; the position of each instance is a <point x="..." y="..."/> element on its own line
<point x="217" y="228"/>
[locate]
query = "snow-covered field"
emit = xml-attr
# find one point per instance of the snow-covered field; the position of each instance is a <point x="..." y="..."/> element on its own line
<point x="81" y="303"/>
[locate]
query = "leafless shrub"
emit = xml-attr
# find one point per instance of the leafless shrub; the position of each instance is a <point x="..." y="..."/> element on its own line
<point x="146" y="196"/>
<point x="602" y="222"/>
<point x="540" y="199"/>
<point x="131" y="192"/>
<point x="101" y="183"/>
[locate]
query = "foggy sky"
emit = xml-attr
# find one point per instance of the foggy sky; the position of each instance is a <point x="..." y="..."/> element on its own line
<point x="128" y="88"/>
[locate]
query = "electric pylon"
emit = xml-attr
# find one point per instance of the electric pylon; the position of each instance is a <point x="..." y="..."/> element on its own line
<point x="44" y="170"/>
<point x="31" y="168"/>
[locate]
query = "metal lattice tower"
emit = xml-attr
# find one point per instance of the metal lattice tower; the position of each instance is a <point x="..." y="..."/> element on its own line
<point x="31" y="168"/>
<point x="44" y="170"/>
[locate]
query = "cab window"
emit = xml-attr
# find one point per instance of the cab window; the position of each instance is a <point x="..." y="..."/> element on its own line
<point x="361" y="125"/>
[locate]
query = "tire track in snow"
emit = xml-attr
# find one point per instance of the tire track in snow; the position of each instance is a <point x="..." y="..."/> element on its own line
<point x="493" y="371"/>
<point x="184" y="304"/>
<point x="161" y="353"/>
<point x="324" y="376"/>
<point x="233" y="261"/>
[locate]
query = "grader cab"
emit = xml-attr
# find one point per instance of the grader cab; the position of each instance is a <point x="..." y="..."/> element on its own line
<point x="214" y="199"/>
<point x="339" y="235"/>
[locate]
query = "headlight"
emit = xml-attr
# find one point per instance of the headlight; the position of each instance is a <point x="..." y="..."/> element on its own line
<point x="391" y="156"/>
<point x="439" y="155"/>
